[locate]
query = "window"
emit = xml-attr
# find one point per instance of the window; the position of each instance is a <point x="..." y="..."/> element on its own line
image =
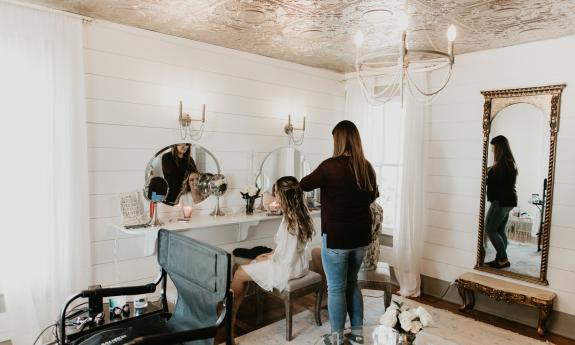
<point x="384" y="150"/>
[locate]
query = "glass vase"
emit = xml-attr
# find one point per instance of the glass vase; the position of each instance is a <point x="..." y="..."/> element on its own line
<point x="405" y="339"/>
<point x="250" y="206"/>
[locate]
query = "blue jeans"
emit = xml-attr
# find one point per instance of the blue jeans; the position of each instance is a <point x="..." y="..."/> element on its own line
<point x="495" y="224"/>
<point x="344" y="295"/>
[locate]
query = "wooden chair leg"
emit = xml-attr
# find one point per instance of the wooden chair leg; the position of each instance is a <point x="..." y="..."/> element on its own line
<point x="387" y="297"/>
<point x="228" y="323"/>
<point x="259" y="306"/>
<point x="287" y="302"/>
<point x="318" y="298"/>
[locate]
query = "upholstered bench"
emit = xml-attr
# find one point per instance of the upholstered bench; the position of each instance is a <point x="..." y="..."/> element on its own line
<point x="502" y="290"/>
<point x="310" y="283"/>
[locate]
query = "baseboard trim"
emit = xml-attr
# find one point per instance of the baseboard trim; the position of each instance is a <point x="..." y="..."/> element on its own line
<point x="559" y="323"/>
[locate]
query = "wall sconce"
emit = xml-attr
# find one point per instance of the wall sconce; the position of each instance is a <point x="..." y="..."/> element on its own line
<point x="289" y="129"/>
<point x="185" y="121"/>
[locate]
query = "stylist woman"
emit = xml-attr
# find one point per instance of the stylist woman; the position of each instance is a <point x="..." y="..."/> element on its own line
<point x="348" y="187"/>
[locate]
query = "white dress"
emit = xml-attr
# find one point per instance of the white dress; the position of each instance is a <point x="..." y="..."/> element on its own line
<point x="290" y="260"/>
<point x="186" y="199"/>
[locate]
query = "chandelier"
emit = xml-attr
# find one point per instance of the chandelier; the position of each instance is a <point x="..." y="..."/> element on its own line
<point x="384" y="75"/>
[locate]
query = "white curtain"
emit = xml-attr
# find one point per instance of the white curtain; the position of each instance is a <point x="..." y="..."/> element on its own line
<point x="45" y="242"/>
<point x="409" y="230"/>
<point x="409" y="235"/>
<point x="369" y="121"/>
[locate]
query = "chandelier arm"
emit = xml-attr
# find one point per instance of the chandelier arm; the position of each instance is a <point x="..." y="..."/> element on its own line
<point x="429" y="40"/>
<point x="426" y="100"/>
<point x="410" y="81"/>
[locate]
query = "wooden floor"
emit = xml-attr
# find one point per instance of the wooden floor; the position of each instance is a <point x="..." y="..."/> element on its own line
<point x="274" y="311"/>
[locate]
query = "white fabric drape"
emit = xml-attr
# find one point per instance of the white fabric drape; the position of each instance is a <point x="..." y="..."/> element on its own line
<point x="409" y="232"/>
<point x="409" y="235"/>
<point x="369" y="121"/>
<point x="45" y="242"/>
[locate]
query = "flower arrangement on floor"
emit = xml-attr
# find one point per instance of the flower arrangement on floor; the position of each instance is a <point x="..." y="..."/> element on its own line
<point x="405" y="321"/>
<point x="250" y="194"/>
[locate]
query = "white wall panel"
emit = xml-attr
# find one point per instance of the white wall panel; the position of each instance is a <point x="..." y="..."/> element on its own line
<point x="134" y="81"/>
<point x="454" y="156"/>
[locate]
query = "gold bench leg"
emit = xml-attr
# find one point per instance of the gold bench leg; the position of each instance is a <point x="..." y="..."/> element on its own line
<point x="544" y="313"/>
<point x="463" y="296"/>
<point x="471" y="304"/>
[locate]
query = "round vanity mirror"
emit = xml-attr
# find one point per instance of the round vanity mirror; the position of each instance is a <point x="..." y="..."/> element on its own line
<point x="186" y="169"/>
<point x="156" y="189"/>
<point x="285" y="161"/>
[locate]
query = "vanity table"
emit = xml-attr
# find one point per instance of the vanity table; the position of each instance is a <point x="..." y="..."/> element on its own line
<point x="241" y="225"/>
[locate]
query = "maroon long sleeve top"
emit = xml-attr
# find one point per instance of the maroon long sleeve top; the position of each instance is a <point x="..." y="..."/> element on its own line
<point x="345" y="214"/>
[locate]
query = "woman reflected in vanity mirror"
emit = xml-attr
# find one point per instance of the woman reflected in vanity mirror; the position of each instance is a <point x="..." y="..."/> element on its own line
<point x="176" y="165"/>
<point x="191" y="194"/>
<point x="501" y="193"/>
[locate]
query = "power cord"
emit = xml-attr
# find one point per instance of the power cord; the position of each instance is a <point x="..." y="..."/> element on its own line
<point x="71" y="313"/>
<point x="442" y="296"/>
<point x="43" y="331"/>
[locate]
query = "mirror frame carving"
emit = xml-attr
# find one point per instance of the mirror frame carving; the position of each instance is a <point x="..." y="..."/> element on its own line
<point x="548" y="99"/>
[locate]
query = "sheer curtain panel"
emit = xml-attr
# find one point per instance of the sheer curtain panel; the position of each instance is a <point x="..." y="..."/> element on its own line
<point x="45" y="242"/>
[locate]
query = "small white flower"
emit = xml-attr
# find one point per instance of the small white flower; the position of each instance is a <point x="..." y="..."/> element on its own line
<point x="405" y="319"/>
<point x="245" y="190"/>
<point x="389" y="318"/>
<point x="416" y="326"/>
<point x="425" y="318"/>
<point x="252" y="191"/>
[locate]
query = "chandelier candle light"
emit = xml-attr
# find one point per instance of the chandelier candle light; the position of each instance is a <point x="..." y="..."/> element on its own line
<point x="394" y="68"/>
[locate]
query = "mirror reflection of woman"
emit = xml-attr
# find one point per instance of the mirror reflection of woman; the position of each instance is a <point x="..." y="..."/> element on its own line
<point x="501" y="193"/>
<point x="190" y="193"/>
<point x="176" y="165"/>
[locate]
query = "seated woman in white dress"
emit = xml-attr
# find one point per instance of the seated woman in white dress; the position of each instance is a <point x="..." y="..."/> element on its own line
<point x="190" y="194"/>
<point x="290" y="259"/>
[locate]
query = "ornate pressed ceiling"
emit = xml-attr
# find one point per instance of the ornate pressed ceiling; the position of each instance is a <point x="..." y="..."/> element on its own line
<point x="320" y="33"/>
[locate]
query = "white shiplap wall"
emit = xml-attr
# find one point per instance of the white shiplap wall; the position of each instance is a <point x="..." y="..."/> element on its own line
<point x="134" y="80"/>
<point x="455" y="139"/>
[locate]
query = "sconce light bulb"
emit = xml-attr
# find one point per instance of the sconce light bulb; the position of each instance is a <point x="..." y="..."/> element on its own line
<point x="358" y="38"/>
<point x="451" y="33"/>
<point x="403" y="21"/>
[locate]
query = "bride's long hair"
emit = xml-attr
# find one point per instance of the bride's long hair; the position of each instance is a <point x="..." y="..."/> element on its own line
<point x="295" y="211"/>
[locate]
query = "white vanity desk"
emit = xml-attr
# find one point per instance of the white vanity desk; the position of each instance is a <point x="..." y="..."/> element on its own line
<point x="240" y="224"/>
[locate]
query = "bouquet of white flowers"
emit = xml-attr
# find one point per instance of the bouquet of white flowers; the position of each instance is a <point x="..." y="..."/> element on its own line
<point x="250" y="194"/>
<point x="405" y="320"/>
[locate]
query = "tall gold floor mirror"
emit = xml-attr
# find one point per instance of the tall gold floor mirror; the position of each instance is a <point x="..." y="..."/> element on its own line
<point x="520" y="128"/>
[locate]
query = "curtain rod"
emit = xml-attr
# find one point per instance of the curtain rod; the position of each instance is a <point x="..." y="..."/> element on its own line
<point x="51" y="10"/>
